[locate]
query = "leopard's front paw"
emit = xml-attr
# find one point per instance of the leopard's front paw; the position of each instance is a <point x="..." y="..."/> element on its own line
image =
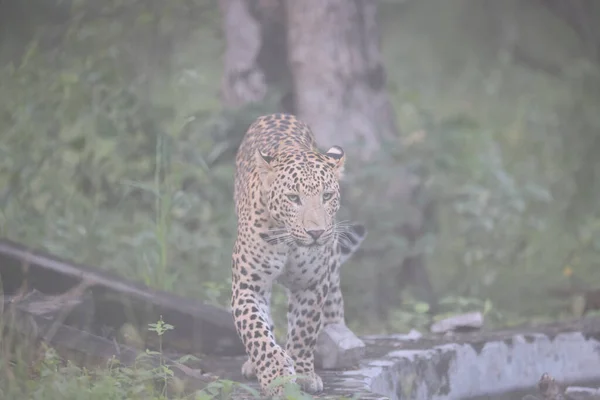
<point x="310" y="382"/>
<point x="274" y="371"/>
<point x="248" y="370"/>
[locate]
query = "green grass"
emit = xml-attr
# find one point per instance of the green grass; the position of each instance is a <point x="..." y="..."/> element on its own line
<point x="39" y="372"/>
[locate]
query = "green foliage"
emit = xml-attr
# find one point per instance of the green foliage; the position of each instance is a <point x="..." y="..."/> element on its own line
<point x="498" y="233"/>
<point x="46" y="375"/>
<point x="503" y="150"/>
<point x="96" y="170"/>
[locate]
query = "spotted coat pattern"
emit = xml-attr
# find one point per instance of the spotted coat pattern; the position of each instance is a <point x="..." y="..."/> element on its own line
<point x="287" y="195"/>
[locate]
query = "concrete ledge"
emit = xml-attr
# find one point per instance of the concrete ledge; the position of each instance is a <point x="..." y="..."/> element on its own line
<point x="455" y="371"/>
<point x="478" y="364"/>
<point x="470" y="365"/>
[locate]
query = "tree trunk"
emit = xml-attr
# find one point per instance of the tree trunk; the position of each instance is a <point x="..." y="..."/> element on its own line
<point x="243" y="81"/>
<point x="338" y="74"/>
<point x="256" y="53"/>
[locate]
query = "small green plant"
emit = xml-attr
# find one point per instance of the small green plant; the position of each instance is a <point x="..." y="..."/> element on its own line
<point x="163" y="370"/>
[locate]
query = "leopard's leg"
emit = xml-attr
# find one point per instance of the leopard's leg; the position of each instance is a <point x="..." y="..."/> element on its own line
<point x="333" y="308"/>
<point x="248" y="370"/>
<point x="250" y="310"/>
<point x="305" y="309"/>
<point x="337" y="346"/>
<point x="349" y="240"/>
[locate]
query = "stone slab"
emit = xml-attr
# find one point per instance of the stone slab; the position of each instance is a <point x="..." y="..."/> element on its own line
<point x="338" y="347"/>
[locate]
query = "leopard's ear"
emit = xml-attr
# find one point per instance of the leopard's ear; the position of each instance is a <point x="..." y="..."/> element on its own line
<point x="337" y="155"/>
<point x="265" y="168"/>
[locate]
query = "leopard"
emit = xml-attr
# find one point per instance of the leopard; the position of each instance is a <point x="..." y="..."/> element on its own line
<point x="287" y="196"/>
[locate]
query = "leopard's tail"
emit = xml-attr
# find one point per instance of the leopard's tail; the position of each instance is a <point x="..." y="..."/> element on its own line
<point x="350" y="240"/>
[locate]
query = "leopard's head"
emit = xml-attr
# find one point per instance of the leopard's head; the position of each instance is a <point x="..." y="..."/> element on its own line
<point x="302" y="193"/>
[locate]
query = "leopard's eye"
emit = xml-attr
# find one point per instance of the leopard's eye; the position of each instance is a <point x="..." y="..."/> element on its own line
<point x="327" y="196"/>
<point x="294" y="198"/>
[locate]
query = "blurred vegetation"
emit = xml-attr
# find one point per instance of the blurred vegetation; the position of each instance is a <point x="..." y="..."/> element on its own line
<point x="40" y="372"/>
<point x="116" y="152"/>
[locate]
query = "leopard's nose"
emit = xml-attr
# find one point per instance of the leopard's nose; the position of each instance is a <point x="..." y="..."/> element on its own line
<point x="315" y="233"/>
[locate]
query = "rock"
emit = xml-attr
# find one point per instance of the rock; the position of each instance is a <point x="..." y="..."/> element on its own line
<point x="467" y="321"/>
<point x="338" y="347"/>
<point x="412" y="335"/>
<point x="582" y="393"/>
